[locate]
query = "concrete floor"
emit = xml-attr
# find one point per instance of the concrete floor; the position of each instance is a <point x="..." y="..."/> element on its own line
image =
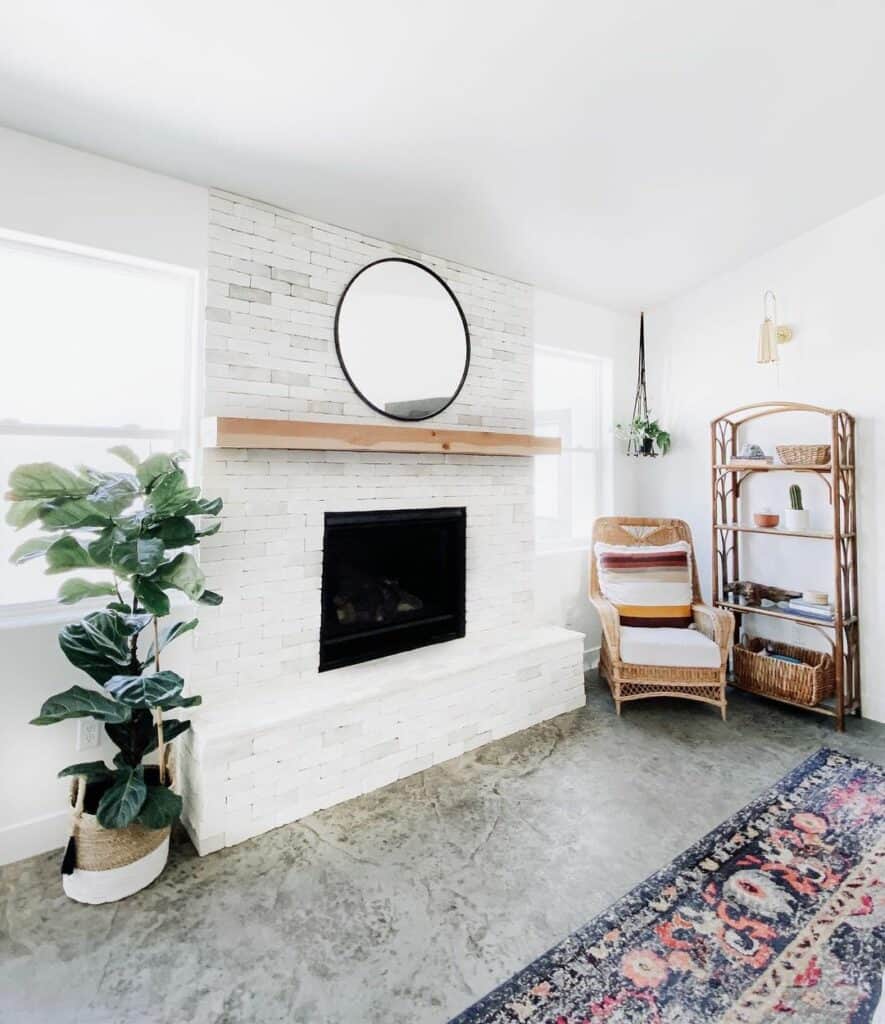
<point x="410" y="903"/>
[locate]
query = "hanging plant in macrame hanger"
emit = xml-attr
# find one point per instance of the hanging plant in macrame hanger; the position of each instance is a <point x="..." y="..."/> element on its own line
<point x="643" y="434"/>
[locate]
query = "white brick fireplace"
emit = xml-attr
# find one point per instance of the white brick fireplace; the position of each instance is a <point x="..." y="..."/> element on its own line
<point x="276" y="739"/>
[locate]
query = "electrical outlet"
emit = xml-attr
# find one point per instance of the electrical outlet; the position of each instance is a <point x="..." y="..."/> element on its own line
<point x="88" y="736"/>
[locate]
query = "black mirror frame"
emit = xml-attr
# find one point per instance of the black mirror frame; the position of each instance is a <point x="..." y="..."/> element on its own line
<point x="452" y="296"/>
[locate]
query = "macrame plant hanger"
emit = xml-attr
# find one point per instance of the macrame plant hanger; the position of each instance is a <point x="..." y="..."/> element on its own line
<point x="635" y="444"/>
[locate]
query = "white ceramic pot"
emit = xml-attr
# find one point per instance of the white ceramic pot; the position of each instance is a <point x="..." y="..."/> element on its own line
<point x="796" y="519"/>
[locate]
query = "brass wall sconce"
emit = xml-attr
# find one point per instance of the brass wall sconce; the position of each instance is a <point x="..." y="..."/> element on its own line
<point x="771" y="334"/>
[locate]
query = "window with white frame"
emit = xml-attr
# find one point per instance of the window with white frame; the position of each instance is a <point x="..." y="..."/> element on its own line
<point x="96" y="350"/>
<point x="573" y="395"/>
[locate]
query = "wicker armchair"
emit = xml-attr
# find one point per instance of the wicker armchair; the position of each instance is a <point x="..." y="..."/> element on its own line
<point x="629" y="681"/>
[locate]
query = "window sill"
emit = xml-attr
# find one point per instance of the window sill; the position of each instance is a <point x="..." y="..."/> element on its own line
<point x="45" y="613"/>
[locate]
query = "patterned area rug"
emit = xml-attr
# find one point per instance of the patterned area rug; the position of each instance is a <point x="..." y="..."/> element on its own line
<point x="777" y="915"/>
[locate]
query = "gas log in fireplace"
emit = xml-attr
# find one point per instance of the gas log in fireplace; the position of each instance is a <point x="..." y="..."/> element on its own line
<point x="392" y="581"/>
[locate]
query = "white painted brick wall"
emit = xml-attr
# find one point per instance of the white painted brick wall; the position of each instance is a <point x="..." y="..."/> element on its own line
<point x="276" y="739"/>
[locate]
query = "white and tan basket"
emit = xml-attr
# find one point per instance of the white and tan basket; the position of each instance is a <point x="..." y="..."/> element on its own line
<point x="112" y="863"/>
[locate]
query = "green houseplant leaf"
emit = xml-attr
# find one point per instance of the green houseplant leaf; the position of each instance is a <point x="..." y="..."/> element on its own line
<point x="160" y="808"/>
<point x="99" y="643"/>
<point x="33" y="548"/>
<point x="21" y="513"/>
<point x="141" y="555"/>
<point x="169" y="634"/>
<point x="153" y="598"/>
<point x="77" y="589"/>
<point x="183" y="574"/>
<point x="78" y="702"/>
<point x="134" y="738"/>
<point x="148" y="691"/>
<point x="67" y="553"/>
<point x="46" y="480"/>
<point x="119" y="805"/>
<point x="92" y="770"/>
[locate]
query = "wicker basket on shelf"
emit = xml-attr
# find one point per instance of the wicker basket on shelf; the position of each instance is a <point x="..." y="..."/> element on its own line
<point x="809" y="683"/>
<point x="804" y="454"/>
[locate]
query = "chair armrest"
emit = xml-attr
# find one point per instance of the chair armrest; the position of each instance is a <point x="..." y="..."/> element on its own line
<point x="717" y="624"/>
<point x="611" y="625"/>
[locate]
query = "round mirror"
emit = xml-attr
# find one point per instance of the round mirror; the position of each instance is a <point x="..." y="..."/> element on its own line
<point x="402" y="339"/>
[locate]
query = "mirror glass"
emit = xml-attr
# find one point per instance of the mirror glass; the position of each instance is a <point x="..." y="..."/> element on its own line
<point x="402" y="339"/>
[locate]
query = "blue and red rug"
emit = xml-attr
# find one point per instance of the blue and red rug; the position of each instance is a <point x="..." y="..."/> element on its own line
<point x="776" y="916"/>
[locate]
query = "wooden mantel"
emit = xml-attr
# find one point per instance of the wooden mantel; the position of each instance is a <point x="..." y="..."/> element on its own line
<point x="304" y="435"/>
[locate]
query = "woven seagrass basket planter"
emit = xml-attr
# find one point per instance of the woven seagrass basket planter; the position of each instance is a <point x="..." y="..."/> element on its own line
<point x="809" y="683"/>
<point x="112" y="863"/>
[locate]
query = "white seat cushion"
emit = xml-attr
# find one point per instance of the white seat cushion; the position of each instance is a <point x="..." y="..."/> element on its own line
<point x="676" y="648"/>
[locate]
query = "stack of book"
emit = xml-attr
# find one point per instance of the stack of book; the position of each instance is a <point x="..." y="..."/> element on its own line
<point x="796" y="606"/>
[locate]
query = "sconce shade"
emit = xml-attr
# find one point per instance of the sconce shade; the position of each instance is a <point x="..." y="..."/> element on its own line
<point x="766" y="351"/>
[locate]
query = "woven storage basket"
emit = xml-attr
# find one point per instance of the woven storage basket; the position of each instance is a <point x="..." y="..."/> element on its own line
<point x="804" y="454"/>
<point x="809" y="683"/>
<point x="112" y="863"/>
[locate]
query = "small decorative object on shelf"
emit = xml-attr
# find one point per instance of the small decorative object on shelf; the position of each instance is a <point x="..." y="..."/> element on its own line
<point x="837" y="621"/>
<point x="644" y="436"/>
<point x="755" y="593"/>
<point x="796" y="517"/>
<point x="766" y="519"/>
<point x="753" y="453"/>
<point x="804" y="454"/>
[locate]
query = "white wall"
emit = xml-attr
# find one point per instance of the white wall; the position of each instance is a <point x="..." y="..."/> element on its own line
<point x="63" y="194"/>
<point x="561" y="575"/>
<point x="702" y="362"/>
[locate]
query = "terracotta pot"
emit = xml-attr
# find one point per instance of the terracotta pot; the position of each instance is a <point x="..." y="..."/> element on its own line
<point x="766" y="520"/>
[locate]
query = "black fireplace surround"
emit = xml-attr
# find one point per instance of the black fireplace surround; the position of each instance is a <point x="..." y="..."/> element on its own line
<point x="392" y="581"/>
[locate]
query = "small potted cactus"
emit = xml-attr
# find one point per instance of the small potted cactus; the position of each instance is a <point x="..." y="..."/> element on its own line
<point x="796" y="517"/>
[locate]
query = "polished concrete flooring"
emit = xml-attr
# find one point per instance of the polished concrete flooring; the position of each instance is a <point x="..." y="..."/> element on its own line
<point x="408" y="904"/>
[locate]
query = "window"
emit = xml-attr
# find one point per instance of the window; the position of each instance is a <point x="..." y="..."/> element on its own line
<point x="572" y="402"/>
<point x="96" y="350"/>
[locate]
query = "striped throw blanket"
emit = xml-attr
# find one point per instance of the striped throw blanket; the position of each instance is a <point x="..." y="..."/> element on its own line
<point x="650" y="585"/>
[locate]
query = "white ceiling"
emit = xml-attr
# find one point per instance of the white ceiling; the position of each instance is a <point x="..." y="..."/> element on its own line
<point x="620" y="151"/>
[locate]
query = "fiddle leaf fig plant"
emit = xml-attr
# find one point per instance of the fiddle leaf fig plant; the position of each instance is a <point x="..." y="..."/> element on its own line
<point x="135" y="527"/>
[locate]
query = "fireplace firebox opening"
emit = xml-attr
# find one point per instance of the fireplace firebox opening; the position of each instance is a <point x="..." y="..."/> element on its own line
<point x="392" y="581"/>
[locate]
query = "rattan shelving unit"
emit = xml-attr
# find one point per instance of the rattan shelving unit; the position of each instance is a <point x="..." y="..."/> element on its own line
<point x="728" y="528"/>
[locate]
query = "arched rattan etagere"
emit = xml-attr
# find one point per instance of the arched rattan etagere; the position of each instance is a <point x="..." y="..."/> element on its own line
<point x="728" y="476"/>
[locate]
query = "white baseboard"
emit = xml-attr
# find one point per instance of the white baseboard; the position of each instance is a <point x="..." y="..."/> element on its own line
<point x="37" y="835"/>
<point x="591" y="658"/>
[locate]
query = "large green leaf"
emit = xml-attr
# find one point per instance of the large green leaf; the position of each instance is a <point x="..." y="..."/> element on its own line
<point x="81" y="703"/>
<point x="183" y="574"/>
<point x="175" y="532"/>
<point x="169" y="634"/>
<point x="170" y="494"/>
<point x="210" y="597"/>
<point x="135" y="738"/>
<point x="65" y="554"/>
<point x="210" y="530"/>
<point x="203" y="507"/>
<point x="99" y="643"/>
<point x="33" y="548"/>
<point x="21" y="513"/>
<point x="71" y="513"/>
<point x="142" y="555"/>
<point x="46" y="480"/>
<point x="113" y="491"/>
<point x="77" y="589"/>
<point x="180" y="702"/>
<point x="151" y="596"/>
<point x="172" y="727"/>
<point x="91" y="769"/>
<point x="124" y="452"/>
<point x="156" y="466"/>
<point x="160" y="808"/>
<point x="120" y="805"/>
<point x="147" y="691"/>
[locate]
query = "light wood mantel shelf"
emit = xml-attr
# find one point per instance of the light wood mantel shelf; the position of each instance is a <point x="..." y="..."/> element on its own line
<point x="305" y="435"/>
